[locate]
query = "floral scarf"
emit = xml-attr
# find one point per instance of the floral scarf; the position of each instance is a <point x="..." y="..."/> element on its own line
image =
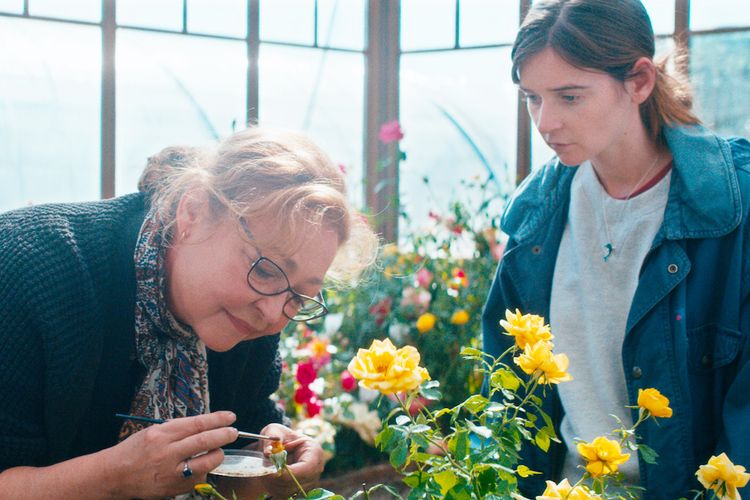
<point x="176" y="382"/>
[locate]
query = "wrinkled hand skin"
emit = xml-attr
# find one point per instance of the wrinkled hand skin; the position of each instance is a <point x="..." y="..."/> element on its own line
<point x="305" y="459"/>
<point x="149" y="463"/>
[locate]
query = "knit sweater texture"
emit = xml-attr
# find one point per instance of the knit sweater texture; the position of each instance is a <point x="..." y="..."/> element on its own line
<point x="67" y="350"/>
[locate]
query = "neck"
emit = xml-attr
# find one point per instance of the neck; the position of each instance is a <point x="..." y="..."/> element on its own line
<point x="627" y="166"/>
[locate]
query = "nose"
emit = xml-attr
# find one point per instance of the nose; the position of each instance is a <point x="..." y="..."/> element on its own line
<point x="546" y="118"/>
<point x="272" y="307"/>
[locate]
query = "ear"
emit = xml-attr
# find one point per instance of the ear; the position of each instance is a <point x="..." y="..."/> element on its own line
<point x="192" y="211"/>
<point x="641" y="81"/>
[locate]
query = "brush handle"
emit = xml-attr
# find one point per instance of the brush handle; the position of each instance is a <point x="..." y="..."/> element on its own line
<point x="242" y="434"/>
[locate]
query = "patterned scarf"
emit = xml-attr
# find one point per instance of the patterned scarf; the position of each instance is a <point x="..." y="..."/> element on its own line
<point x="176" y="382"/>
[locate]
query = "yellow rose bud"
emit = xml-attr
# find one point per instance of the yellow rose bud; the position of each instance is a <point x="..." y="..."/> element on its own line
<point x="426" y="322"/>
<point x="204" y="489"/>
<point x="384" y="368"/>
<point x="538" y="359"/>
<point x="526" y="328"/>
<point x="602" y="455"/>
<point x="654" y="402"/>
<point x="566" y="491"/>
<point x="460" y="317"/>
<point x="723" y="477"/>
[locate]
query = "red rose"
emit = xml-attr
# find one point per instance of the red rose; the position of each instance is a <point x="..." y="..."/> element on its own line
<point x="303" y="394"/>
<point x="314" y="406"/>
<point x="306" y="373"/>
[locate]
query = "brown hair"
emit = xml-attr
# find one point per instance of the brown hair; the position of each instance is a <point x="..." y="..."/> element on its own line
<point x="607" y="36"/>
<point x="265" y="174"/>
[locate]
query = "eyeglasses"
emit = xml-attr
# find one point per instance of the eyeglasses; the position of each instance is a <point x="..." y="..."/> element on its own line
<point x="267" y="278"/>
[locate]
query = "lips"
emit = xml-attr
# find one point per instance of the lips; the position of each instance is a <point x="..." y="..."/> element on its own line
<point x="242" y="326"/>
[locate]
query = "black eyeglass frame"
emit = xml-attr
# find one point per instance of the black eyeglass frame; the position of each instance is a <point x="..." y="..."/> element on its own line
<point x="318" y="299"/>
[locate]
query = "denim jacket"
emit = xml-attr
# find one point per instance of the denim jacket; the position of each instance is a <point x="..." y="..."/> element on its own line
<point x="688" y="326"/>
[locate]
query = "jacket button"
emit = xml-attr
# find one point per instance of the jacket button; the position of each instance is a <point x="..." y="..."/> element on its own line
<point x="636" y="372"/>
<point x="536" y="249"/>
<point x="706" y="361"/>
<point x="672" y="268"/>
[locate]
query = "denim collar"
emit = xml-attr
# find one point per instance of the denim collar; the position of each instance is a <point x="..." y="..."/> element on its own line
<point x="704" y="196"/>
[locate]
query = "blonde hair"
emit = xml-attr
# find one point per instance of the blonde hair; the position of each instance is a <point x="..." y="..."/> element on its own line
<point x="265" y="174"/>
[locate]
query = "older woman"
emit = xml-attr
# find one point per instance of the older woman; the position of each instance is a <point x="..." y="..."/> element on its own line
<point x="150" y="303"/>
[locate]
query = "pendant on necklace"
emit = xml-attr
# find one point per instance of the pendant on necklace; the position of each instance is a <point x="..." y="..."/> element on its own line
<point x="608" y="249"/>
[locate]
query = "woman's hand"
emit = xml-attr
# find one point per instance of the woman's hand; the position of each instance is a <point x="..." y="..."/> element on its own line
<point x="304" y="457"/>
<point x="151" y="462"/>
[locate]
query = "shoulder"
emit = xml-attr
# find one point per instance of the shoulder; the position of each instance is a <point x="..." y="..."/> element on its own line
<point x="57" y="246"/>
<point x="540" y="193"/>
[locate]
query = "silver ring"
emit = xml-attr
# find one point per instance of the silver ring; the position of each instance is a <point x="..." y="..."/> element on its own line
<point x="186" y="470"/>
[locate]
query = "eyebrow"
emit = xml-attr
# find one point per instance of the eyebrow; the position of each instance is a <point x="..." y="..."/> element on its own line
<point x="559" y="89"/>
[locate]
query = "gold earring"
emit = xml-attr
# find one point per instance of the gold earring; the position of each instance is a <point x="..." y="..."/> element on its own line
<point x="184" y="235"/>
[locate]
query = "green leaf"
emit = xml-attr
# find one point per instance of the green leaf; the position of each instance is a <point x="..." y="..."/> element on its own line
<point x="542" y="440"/>
<point x="383" y="437"/>
<point x="505" y="379"/>
<point x="412" y="480"/>
<point x="399" y="454"/>
<point x="419" y="428"/>
<point x="475" y="403"/>
<point x="319" y="493"/>
<point x="402" y="420"/>
<point x="430" y="390"/>
<point x="446" y="479"/>
<point x="481" y="430"/>
<point x="471" y="353"/>
<point x="648" y="454"/>
<point x="461" y="444"/>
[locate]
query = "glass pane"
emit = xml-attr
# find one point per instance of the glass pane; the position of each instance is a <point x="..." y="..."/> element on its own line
<point x="458" y="112"/>
<point x="291" y="21"/>
<point x="80" y="10"/>
<point x="49" y="112"/>
<point x="720" y="73"/>
<point x="12" y="6"/>
<point x="710" y="14"/>
<point x="428" y="24"/>
<point x="164" y="14"/>
<point x="174" y="89"/>
<point x="484" y="22"/>
<point x="325" y="99"/>
<point x="217" y="17"/>
<point x="341" y="23"/>
<point x="661" y="14"/>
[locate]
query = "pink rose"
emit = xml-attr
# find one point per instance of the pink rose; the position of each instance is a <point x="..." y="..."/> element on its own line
<point x="424" y="278"/>
<point x="390" y="132"/>
<point x="348" y="382"/>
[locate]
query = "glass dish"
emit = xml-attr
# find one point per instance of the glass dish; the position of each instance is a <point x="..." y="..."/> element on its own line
<point x="244" y="463"/>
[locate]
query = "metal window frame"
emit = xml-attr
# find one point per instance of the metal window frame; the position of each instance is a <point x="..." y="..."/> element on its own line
<point x="382" y="54"/>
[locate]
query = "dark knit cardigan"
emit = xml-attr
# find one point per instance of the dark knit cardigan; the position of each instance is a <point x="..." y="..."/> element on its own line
<point x="67" y="348"/>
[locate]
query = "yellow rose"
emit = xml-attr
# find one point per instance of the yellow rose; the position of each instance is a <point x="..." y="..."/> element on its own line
<point x="566" y="491"/>
<point x="460" y="317"/>
<point x="602" y="456"/>
<point x="426" y="322"/>
<point x="526" y="328"/>
<point x="654" y="402"/>
<point x="539" y="358"/>
<point x="723" y="477"/>
<point x="384" y="368"/>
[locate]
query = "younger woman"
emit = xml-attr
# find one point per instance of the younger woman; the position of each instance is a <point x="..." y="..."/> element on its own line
<point x="634" y="242"/>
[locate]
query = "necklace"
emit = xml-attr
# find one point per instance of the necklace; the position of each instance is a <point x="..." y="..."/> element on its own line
<point x="609" y="247"/>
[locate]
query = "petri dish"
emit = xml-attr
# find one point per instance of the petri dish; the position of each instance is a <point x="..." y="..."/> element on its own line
<point x="244" y="463"/>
